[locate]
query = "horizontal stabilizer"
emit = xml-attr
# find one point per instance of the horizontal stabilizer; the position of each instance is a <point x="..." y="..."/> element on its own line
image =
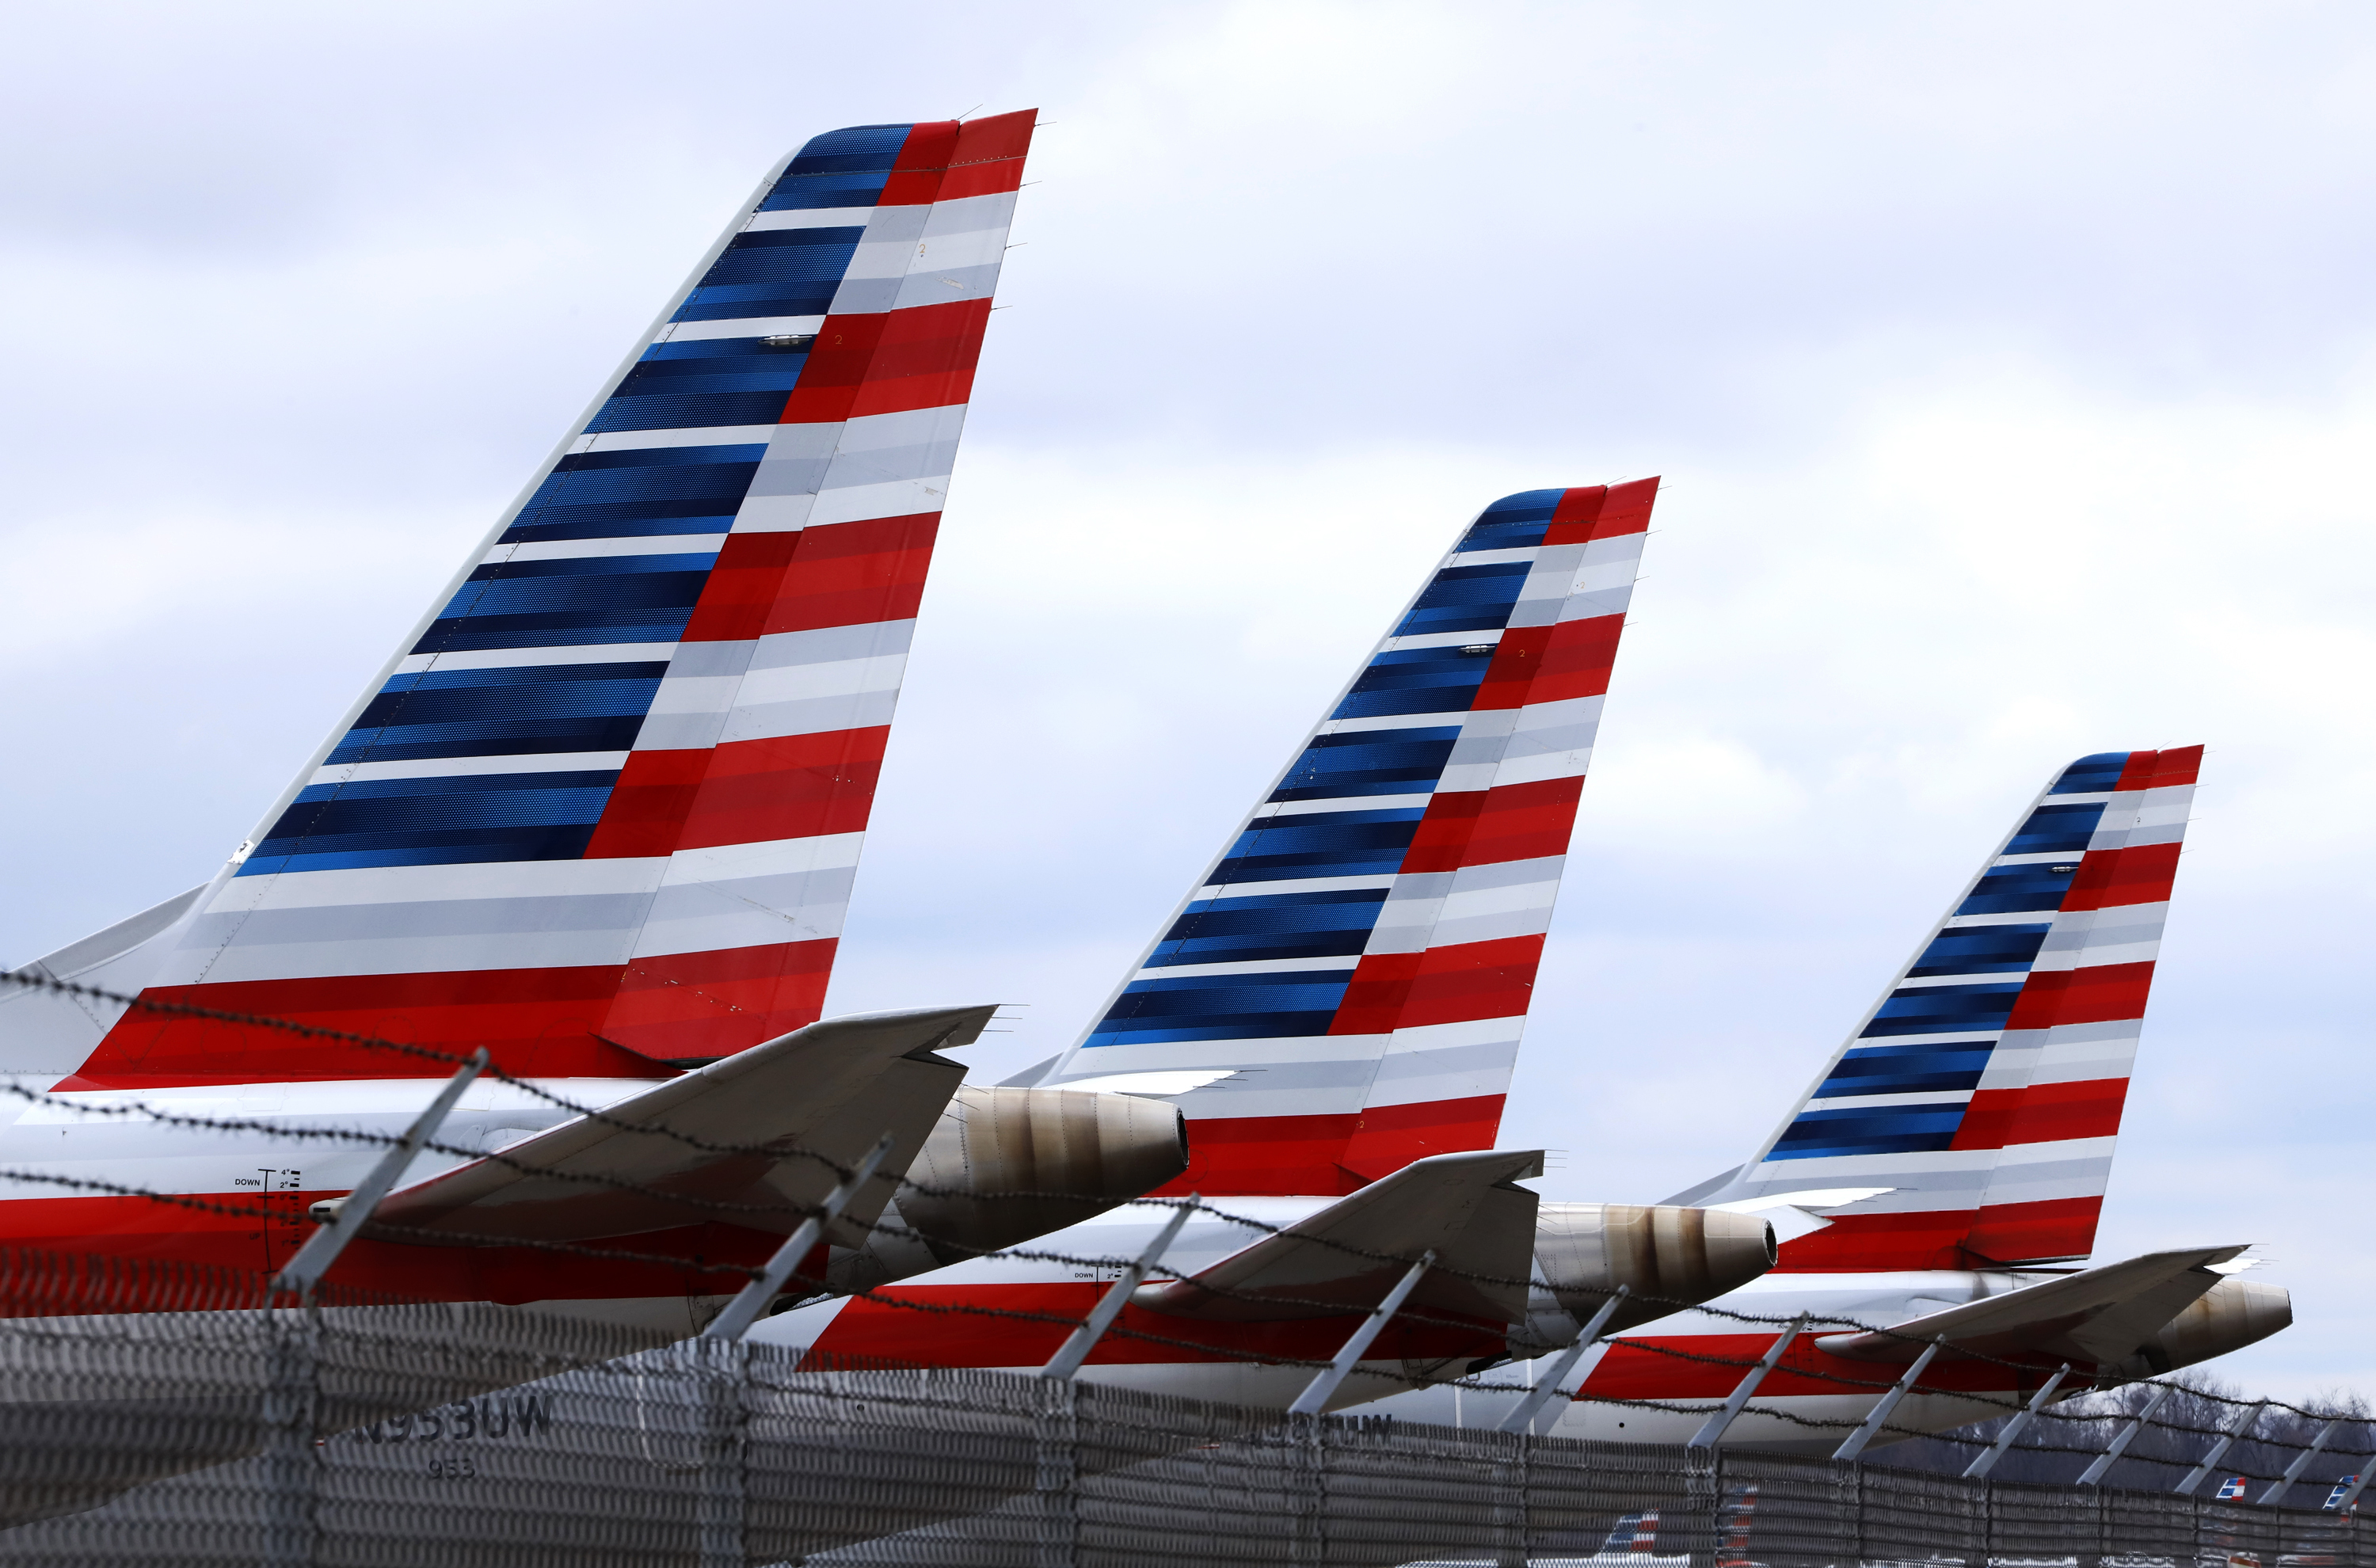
<point x="820" y="1095"/>
<point x="1345" y="1258"/>
<point x="52" y="1032"/>
<point x="2102" y="1314"/>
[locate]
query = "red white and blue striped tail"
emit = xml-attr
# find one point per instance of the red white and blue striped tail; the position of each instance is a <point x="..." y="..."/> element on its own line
<point x="602" y="810"/>
<point x="1633" y="1532"/>
<point x="1343" y="993"/>
<point x="1983" y="1091"/>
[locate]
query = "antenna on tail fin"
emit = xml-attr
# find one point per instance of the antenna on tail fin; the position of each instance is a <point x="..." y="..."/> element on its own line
<point x="1343" y="993"/>
<point x="603" y="812"/>
<point x="1982" y="1093"/>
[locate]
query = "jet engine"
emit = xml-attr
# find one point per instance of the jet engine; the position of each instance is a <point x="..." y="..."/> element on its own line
<point x="2230" y="1315"/>
<point x="1003" y="1165"/>
<point x="1664" y="1253"/>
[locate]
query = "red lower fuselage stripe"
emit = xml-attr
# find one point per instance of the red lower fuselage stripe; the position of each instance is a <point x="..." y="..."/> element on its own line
<point x="158" y="1231"/>
<point x="1633" y="1370"/>
<point x="952" y="1326"/>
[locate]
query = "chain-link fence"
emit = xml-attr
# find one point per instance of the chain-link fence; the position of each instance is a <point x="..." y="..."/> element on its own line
<point x="359" y="1434"/>
<point x="2269" y="1443"/>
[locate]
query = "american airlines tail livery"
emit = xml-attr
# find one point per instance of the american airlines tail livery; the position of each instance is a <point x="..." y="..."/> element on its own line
<point x="1335" y="1008"/>
<point x="600" y="814"/>
<point x="1943" y="1176"/>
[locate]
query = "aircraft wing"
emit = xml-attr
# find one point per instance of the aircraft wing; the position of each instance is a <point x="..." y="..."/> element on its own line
<point x="1461" y="1207"/>
<point x="829" y="1090"/>
<point x="2099" y="1314"/>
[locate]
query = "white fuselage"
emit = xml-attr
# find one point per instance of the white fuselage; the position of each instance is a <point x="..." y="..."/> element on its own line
<point x="1880" y="1298"/>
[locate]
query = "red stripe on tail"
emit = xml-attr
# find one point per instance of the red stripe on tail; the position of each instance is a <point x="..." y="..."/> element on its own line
<point x="1602" y="512"/>
<point x="1242" y="1156"/>
<point x="538" y="1023"/>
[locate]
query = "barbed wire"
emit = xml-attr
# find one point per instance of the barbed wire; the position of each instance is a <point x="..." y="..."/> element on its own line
<point x="948" y="1309"/>
<point x="902" y="1231"/>
<point x="786" y="1149"/>
<point x="26" y="978"/>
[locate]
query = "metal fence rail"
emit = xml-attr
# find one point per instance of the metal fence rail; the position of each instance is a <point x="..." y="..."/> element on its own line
<point x="427" y="1435"/>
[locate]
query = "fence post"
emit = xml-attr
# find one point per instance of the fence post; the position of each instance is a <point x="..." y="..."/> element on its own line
<point x="1059" y="1474"/>
<point x="1084" y="1340"/>
<point x="1712" y="1430"/>
<point x="735" y="1319"/>
<point x="2293" y="1471"/>
<point x="1513" y="1542"/>
<point x="721" y="1366"/>
<point x="1314" y="1398"/>
<point x="1703" y="1486"/>
<point x="1979" y="1468"/>
<point x="343" y="1219"/>
<point x="1542" y="1392"/>
<point x="1854" y="1475"/>
<point x="1308" y="1494"/>
<point x="291" y="1463"/>
<point x="2093" y="1474"/>
<point x="1857" y="1441"/>
<point x="2241" y="1423"/>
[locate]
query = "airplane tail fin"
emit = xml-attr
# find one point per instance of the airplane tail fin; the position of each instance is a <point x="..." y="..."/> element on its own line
<point x="1978" y="1101"/>
<point x="602" y="809"/>
<point x="1343" y="993"/>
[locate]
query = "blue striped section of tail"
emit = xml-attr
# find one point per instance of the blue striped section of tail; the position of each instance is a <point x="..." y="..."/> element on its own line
<point x="1306" y="879"/>
<point x="1934" y="1033"/>
<point x="489" y="696"/>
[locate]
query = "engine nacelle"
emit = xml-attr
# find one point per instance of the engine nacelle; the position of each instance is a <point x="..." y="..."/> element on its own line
<point x="1003" y="1165"/>
<point x="1666" y="1252"/>
<point x="2230" y="1315"/>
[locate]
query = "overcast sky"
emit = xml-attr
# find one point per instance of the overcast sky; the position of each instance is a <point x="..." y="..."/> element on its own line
<point x="2010" y="368"/>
